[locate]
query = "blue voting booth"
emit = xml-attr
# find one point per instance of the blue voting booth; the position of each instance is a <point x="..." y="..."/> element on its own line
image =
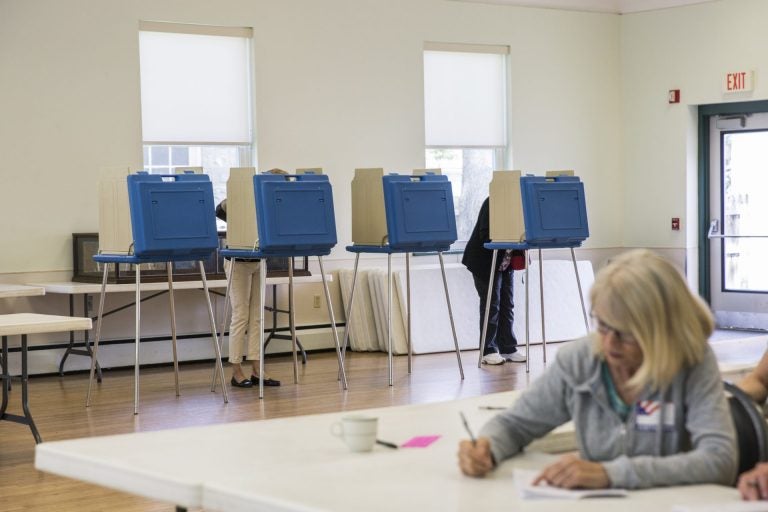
<point x="555" y="217"/>
<point x="172" y="219"/>
<point x="420" y="218"/>
<point x="295" y="217"/>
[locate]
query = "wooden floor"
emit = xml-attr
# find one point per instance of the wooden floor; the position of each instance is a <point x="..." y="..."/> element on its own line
<point x="58" y="407"/>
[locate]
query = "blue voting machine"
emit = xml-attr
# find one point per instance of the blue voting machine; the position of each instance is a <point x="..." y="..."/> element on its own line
<point x="420" y="218"/>
<point x="295" y="214"/>
<point x="419" y="211"/>
<point x="554" y="210"/>
<point x="173" y="218"/>
<point x="555" y="217"/>
<point x="295" y="217"/>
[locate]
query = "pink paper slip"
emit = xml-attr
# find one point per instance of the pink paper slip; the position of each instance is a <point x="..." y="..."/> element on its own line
<point x="420" y="441"/>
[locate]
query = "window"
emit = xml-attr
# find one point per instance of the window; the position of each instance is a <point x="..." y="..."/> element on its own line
<point x="465" y="120"/>
<point x="196" y="99"/>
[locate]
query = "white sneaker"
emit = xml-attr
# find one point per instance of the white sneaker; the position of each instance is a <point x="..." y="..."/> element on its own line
<point x="493" y="358"/>
<point x="515" y="357"/>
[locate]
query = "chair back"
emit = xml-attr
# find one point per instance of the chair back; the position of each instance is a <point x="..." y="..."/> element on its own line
<point x="751" y="429"/>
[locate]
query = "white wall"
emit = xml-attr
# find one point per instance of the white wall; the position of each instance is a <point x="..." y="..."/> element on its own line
<point x="690" y="49"/>
<point x="338" y="85"/>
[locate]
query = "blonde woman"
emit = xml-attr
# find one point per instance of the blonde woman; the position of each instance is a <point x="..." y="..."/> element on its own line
<point x="644" y="391"/>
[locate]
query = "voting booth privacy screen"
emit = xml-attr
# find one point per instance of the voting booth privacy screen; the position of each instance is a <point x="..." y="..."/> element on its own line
<point x="172" y="214"/>
<point x="295" y="214"/>
<point x="554" y="210"/>
<point x="419" y="211"/>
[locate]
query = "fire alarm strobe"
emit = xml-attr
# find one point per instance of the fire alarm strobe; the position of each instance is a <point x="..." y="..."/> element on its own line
<point x="674" y="96"/>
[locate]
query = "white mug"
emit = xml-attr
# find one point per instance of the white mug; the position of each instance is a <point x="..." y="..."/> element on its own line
<point x="357" y="431"/>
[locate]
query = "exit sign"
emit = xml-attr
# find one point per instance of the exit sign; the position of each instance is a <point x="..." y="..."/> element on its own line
<point x="738" y="81"/>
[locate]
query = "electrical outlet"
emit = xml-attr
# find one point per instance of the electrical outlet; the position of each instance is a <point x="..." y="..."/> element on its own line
<point x="316" y="301"/>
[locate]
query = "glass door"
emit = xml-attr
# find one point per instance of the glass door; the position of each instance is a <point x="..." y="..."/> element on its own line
<point x="739" y="220"/>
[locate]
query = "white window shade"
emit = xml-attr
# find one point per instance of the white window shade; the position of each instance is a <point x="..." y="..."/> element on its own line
<point x="464" y="99"/>
<point x="194" y="88"/>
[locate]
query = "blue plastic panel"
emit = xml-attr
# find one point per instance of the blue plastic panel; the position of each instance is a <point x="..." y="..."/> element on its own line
<point x="172" y="215"/>
<point x="554" y="210"/>
<point x="294" y="214"/>
<point x="420" y="214"/>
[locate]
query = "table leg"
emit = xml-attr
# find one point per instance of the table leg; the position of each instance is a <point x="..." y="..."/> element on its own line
<point x="27" y="418"/>
<point x="6" y="378"/>
<point x="273" y="334"/>
<point x="25" y="391"/>
<point x="86" y="351"/>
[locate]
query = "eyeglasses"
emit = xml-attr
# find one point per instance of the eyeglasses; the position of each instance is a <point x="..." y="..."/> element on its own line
<point x="621" y="336"/>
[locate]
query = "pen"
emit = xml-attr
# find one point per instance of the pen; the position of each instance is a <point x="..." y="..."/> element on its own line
<point x="386" y="443"/>
<point x="491" y="408"/>
<point x="466" y="427"/>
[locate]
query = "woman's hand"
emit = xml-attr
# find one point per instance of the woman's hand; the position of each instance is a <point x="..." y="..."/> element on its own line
<point x="475" y="458"/>
<point x="753" y="485"/>
<point x="572" y="472"/>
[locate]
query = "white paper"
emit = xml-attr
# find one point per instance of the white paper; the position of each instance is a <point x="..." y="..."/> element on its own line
<point x="732" y="506"/>
<point x="523" y="482"/>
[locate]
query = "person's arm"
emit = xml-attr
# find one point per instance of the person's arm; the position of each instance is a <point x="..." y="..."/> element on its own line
<point x="756" y="382"/>
<point x="713" y="456"/>
<point x="540" y="408"/>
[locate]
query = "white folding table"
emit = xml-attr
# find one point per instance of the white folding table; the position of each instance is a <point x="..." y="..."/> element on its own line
<point x="296" y="464"/>
<point x="24" y="324"/>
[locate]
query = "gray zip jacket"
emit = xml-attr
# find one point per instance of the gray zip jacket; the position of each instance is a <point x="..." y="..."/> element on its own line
<point x="681" y="435"/>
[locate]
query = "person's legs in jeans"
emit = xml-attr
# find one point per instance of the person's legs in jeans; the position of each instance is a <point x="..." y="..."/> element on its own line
<point x="481" y="285"/>
<point x="506" y="341"/>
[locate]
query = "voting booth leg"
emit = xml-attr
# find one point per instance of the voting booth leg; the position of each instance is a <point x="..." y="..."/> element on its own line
<point x="262" y="288"/>
<point x="174" y="345"/>
<point x="212" y="321"/>
<point x="527" y="319"/>
<point x="333" y="323"/>
<point x="541" y="296"/>
<point x="487" y="311"/>
<point x="224" y="321"/>
<point x="98" y="332"/>
<point x="408" y="307"/>
<point x="389" y="315"/>
<point x="138" y="340"/>
<point x="450" y="315"/>
<point x="292" y="322"/>
<point x="581" y="294"/>
<point x="349" y="311"/>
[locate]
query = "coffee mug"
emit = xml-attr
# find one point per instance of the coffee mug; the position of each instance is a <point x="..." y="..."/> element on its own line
<point x="357" y="431"/>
